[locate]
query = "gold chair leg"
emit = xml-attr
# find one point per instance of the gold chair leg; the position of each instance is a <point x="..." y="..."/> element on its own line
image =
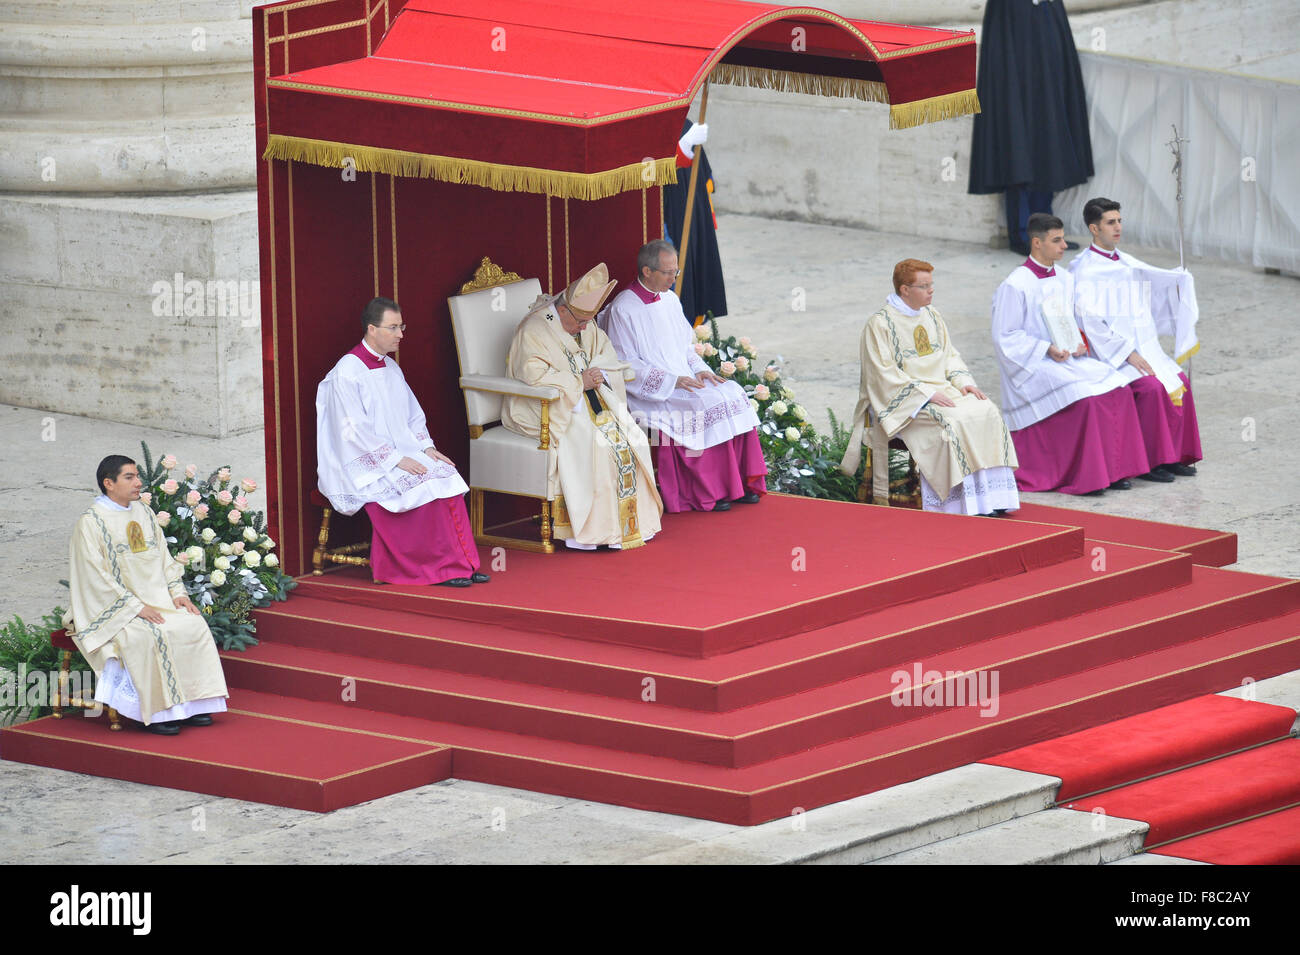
<point x="65" y="662"/>
<point x="322" y="542"/>
<point x="114" y="721"/>
<point x="548" y="546"/>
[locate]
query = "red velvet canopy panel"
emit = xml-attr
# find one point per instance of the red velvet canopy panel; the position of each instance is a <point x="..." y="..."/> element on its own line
<point x="571" y="97"/>
<point x="403" y="140"/>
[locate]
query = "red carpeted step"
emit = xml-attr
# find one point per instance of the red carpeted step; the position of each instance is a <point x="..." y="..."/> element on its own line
<point x="790" y="568"/>
<point x="1160" y="741"/>
<point x="1207" y="547"/>
<point x="934" y="742"/>
<point x="1212" y="794"/>
<point x="242" y="756"/>
<point x="1273" y="839"/>
<point x="1217" y="600"/>
<point x="766" y="671"/>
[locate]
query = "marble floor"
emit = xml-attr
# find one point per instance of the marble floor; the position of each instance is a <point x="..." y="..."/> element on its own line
<point x="1246" y="385"/>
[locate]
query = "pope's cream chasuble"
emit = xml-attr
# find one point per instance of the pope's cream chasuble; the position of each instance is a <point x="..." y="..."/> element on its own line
<point x="601" y="478"/>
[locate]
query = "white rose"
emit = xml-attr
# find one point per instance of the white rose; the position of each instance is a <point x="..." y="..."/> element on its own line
<point x="800" y="413"/>
<point x="272" y="560"/>
<point x="208" y="535"/>
<point x="223" y="548"/>
<point x="787" y="392"/>
<point x="221" y="563"/>
<point x="252" y="559"/>
<point x="792" y="435"/>
<point x="702" y="332"/>
<point x="779" y="408"/>
<point x="250" y="535"/>
<point x="266" y="544"/>
<point x="195" y="552"/>
<point x="217" y="578"/>
<point x="753" y="404"/>
<point x="163" y="518"/>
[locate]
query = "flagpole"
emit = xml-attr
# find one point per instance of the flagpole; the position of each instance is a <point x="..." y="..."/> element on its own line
<point x="690" y="199"/>
<point x="1176" y="146"/>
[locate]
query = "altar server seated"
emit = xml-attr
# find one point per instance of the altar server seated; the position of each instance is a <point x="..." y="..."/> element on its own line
<point x="1072" y="417"/>
<point x="1124" y="305"/>
<point x="708" y="453"/>
<point x="373" y="451"/>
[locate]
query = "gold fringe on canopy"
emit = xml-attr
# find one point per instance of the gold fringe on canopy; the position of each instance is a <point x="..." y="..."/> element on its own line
<point x="934" y="109"/>
<point x="788" y="81"/>
<point x="901" y="116"/>
<point x="503" y="178"/>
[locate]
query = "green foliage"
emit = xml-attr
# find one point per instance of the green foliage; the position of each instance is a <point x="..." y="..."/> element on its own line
<point x="26" y="648"/>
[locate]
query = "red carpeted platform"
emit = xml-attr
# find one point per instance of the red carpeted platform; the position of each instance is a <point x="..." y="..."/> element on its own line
<point x="1271" y="839"/>
<point x="741" y="689"/>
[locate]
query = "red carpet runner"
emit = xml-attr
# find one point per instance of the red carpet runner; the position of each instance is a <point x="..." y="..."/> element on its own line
<point x="1217" y="779"/>
<point x="742" y="667"/>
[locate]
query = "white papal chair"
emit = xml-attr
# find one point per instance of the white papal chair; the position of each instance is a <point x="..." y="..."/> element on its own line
<point x="483" y="319"/>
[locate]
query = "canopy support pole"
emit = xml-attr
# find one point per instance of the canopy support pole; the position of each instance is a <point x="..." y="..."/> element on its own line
<point x="690" y="200"/>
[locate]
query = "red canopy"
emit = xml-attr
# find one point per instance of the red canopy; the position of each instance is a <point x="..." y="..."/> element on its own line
<point x="569" y="98"/>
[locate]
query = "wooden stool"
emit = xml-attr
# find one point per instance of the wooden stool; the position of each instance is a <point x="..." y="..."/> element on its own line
<point x="62" y="698"/>
<point x="347" y="554"/>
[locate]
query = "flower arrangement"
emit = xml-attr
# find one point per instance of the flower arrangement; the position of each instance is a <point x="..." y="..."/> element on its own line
<point x="229" y="559"/>
<point x="799" y="460"/>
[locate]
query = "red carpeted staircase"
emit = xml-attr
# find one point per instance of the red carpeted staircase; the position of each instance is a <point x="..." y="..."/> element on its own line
<point x="741" y="667"/>
<point x="1216" y="778"/>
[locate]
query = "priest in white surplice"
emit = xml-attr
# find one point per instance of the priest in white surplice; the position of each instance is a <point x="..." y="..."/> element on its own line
<point x="373" y="451"/>
<point x="1124" y="305"/>
<point x="919" y="389"/>
<point x="153" y="656"/>
<point x="1072" y="417"/>
<point x="601" y="479"/>
<point x="708" y="453"/>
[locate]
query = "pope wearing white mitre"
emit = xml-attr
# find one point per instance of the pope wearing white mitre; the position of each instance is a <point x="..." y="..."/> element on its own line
<point x="920" y="390"/>
<point x="154" y="658"/>
<point x="601" y="478"/>
<point x="708" y="451"/>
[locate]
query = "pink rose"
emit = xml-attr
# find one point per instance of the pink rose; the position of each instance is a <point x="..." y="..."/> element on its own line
<point x="163" y="518"/>
<point x="742" y="363"/>
<point x="700" y="348"/>
<point x="234" y="517"/>
<point x="237" y="547"/>
<point x="201" y="511"/>
<point x="147" y="497"/>
<point x="225" y="497"/>
<point x="183" y="557"/>
<point x="727" y="368"/>
<point x="771" y="373"/>
<point x="191" y="470"/>
<point x="249" y="485"/>
<point x="170" y="486"/>
<point x="761" y="392"/>
<point x="223" y="474"/>
<point x="241" y="502"/>
<point x="169" y="461"/>
<point x="745" y="341"/>
<point x="193" y="498"/>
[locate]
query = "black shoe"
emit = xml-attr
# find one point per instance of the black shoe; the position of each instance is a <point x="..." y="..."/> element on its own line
<point x="1123" y="484"/>
<point x="1097" y="493"/>
<point x="198" y="719"/>
<point x="722" y="506"/>
<point x="455" y="582"/>
<point x="1158" y="476"/>
<point x="163" y="729"/>
<point x="753" y="497"/>
<point x="1182" y="470"/>
<point x="477" y="578"/>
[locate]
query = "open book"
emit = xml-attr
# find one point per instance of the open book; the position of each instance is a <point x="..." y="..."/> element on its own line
<point x="1058" y="316"/>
